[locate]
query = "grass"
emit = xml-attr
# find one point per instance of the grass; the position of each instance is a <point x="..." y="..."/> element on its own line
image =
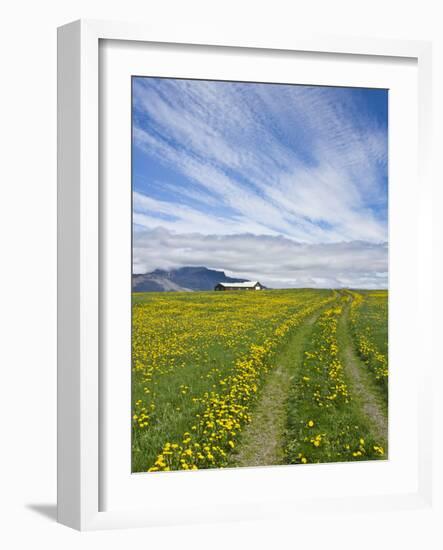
<point x="369" y="325"/>
<point x="185" y="345"/>
<point x="325" y="422"/>
<point x="263" y="440"/>
<point x="253" y="378"/>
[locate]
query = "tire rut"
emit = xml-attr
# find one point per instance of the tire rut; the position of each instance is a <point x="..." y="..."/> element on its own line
<point x="262" y="442"/>
<point x="363" y="388"/>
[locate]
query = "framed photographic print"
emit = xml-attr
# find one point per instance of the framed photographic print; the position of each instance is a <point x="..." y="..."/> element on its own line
<point x="241" y="187"/>
<point x="240" y="230"/>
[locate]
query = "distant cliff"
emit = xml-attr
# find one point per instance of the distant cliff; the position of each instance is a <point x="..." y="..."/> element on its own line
<point x="181" y="279"/>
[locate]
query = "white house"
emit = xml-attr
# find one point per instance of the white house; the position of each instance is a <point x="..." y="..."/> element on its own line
<point x="247" y="285"/>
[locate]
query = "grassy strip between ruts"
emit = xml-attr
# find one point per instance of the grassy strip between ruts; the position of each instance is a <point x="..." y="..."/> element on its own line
<point x="324" y="424"/>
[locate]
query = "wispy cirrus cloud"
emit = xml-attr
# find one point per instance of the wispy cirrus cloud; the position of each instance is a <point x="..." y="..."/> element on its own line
<point x="305" y="163"/>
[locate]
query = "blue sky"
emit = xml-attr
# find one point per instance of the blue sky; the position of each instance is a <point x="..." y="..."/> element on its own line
<point x="282" y="183"/>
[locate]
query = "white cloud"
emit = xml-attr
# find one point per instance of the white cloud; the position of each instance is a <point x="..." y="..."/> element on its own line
<point x="151" y="213"/>
<point x="275" y="260"/>
<point x="226" y="142"/>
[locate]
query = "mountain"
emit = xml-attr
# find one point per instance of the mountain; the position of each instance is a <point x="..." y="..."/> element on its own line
<point x="181" y="279"/>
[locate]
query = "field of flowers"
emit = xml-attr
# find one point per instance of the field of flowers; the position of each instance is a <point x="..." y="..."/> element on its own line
<point x="324" y="423"/>
<point x="199" y="360"/>
<point x="369" y="326"/>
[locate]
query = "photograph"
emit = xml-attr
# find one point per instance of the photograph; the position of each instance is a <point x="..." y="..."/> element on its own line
<point x="231" y="218"/>
<point x="259" y="274"/>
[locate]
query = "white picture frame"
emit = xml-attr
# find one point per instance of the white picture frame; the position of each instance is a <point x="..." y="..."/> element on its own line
<point x="80" y="261"/>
